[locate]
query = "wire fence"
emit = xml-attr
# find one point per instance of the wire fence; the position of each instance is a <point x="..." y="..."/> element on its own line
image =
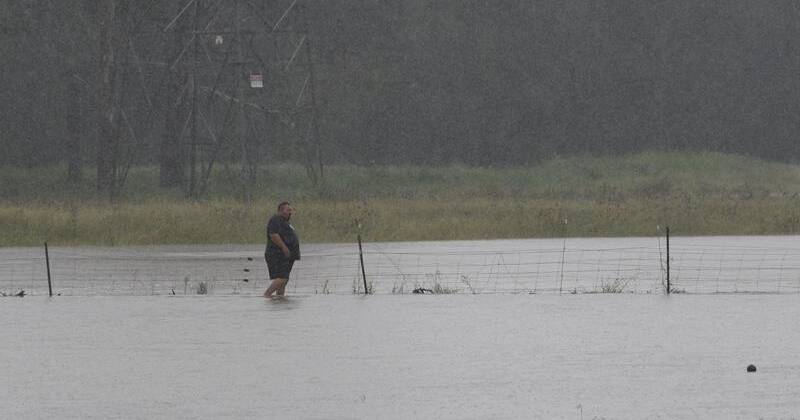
<point x="615" y="265"/>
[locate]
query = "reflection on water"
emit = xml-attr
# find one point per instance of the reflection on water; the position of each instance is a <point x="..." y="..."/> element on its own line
<point x="280" y="303"/>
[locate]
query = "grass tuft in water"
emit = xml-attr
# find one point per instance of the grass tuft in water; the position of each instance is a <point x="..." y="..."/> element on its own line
<point x="203" y="288"/>
<point x="326" y="290"/>
<point x="439" y="289"/>
<point x="618" y="285"/>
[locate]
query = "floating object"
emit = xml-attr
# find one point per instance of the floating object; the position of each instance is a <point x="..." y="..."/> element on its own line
<point x="751" y="368"/>
<point x="421" y="291"/>
<point x="245" y="280"/>
<point x="249" y="258"/>
<point x="20" y="294"/>
<point x="246" y="270"/>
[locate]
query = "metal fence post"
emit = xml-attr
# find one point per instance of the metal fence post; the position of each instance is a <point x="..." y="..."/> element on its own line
<point x="669" y="289"/>
<point x="47" y="261"/>
<point x="361" y="257"/>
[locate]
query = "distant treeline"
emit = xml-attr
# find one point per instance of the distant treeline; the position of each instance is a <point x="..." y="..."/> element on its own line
<point x="501" y="82"/>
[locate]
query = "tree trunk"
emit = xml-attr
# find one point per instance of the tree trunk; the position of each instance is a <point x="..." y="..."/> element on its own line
<point x="75" y="130"/>
<point x="105" y="85"/>
<point x="170" y="162"/>
<point x="171" y="170"/>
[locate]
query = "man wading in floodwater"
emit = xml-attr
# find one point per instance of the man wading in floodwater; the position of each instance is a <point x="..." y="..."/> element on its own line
<point x="283" y="249"/>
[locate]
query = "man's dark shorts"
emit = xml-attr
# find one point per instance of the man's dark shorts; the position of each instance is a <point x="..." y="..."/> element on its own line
<point x="279" y="266"/>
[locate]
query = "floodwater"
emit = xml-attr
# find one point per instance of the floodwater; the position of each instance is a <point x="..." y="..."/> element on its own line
<point x="450" y="356"/>
<point x="571" y="328"/>
<point x="699" y="265"/>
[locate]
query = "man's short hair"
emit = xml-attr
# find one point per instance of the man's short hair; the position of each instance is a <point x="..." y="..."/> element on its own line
<point x="283" y="203"/>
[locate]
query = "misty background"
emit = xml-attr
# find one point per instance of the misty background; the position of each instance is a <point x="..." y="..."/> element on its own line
<point x="100" y="86"/>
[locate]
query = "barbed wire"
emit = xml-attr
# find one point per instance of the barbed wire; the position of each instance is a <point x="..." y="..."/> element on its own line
<point x="700" y="268"/>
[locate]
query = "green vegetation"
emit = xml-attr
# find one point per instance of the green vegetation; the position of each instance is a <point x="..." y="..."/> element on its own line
<point x="694" y="193"/>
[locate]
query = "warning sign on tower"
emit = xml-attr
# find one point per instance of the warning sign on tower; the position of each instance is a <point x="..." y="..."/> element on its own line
<point x="256" y="80"/>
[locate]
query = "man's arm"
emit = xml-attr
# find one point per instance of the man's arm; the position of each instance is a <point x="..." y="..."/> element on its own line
<point x="276" y="239"/>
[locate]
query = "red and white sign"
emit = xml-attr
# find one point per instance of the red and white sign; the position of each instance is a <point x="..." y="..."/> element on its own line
<point x="256" y="80"/>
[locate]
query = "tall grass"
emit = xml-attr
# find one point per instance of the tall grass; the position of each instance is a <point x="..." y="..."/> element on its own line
<point x="695" y="193"/>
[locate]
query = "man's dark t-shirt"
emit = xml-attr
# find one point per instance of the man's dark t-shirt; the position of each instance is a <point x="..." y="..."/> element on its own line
<point x="279" y="225"/>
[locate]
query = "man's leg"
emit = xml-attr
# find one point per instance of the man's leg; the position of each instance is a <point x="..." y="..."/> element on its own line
<point x="277" y="285"/>
<point x="282" y="288"/>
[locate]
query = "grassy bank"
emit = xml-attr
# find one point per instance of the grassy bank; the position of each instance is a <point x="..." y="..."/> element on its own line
<point x="696" y="194"/>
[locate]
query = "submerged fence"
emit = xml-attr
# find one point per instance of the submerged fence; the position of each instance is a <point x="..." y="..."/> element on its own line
<point x="574" y="265"/>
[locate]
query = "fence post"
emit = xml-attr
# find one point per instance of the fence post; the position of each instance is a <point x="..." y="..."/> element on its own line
<point x="47" y="261"/>
<point x="563" y="251"/>
<point x="668" y="285"/>
<point x="361" y="257"/>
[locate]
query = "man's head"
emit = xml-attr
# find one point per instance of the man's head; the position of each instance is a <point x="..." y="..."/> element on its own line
<point x="285" y="210"/>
